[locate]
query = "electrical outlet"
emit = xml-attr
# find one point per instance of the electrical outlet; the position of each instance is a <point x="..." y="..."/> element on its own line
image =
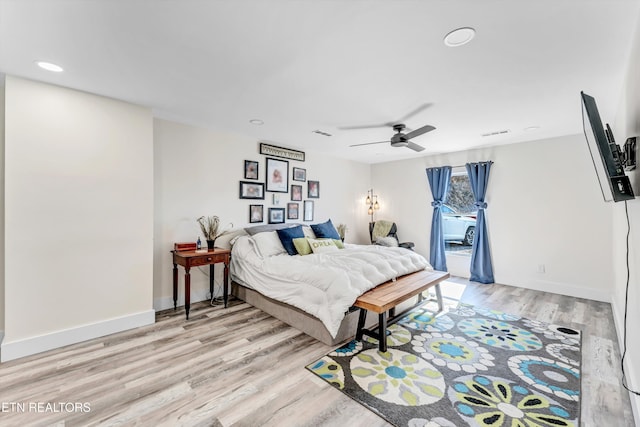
<point x="541" y="268"/>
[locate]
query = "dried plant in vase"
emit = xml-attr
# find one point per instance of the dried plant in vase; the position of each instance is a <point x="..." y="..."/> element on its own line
<point x="210" y="226"/>
<point x="342" y="230"/>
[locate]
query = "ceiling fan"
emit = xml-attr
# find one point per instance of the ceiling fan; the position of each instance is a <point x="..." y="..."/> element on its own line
<point x="401" y="139"/>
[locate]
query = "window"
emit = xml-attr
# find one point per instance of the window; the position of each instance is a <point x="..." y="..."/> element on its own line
<point x="459" y="215"/>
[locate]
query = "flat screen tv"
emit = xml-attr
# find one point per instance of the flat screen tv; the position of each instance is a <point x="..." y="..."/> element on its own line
<point x="605" y="153"/>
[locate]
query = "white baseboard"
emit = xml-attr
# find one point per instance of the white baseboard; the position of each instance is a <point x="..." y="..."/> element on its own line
<point x="165" y="303"/>
<point x="562" y="289"/>
<point x="26" y="347"/>
<point x="618" y="320"/>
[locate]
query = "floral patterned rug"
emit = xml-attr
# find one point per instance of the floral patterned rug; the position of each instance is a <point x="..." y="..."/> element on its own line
<point x="465" y="366"/>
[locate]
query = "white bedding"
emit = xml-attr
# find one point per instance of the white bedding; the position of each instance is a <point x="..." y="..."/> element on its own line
<point x="324" y="285"/>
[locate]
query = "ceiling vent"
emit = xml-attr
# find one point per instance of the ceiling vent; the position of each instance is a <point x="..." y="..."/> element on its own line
<point x="319" y="132"/>
<point x="499" y="132"/>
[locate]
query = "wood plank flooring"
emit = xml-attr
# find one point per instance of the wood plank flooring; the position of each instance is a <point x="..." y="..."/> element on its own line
<point x="241" y="367"/>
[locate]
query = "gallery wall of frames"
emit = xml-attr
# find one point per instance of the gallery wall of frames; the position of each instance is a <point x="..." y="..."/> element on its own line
<point x="278" y="186"/>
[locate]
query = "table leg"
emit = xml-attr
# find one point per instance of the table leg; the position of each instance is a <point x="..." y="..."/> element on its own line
<point x="175" y="286"/>
<point x="382" y="331"/>
<point x="187" y="291"/>
<point x="225" y="283"/>
<point x="212" y="272"/>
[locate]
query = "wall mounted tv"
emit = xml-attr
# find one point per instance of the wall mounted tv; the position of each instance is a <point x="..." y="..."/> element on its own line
<point x="605" y="153"/>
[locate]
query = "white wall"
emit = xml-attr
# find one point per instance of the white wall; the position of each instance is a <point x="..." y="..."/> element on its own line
<point x="197" y="172"/>
<point x="2" y="209"/>
<point x="79" y="216"/>
<point x="627" y="125"/>
<point x="544" y="207"/>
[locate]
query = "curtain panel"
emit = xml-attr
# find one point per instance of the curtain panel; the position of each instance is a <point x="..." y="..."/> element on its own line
<point x="439" y="179"/>
<point x="481" y="267"/>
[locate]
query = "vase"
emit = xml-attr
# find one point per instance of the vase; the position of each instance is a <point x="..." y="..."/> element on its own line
<point x="211" y="244"/>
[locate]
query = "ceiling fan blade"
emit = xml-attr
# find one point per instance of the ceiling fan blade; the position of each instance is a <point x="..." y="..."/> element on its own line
<point x="414" y="112"/>
<point x="414" y="147"/>
<point x="370" y="143"/>
<point x="419" y="131"/>
<point x="384" y="125"/>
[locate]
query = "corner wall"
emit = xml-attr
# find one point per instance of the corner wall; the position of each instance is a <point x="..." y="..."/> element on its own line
<point x="545" y="207"/>
<point x="197" y="172"/>
<point x="2" y="210"/>
<point x="627" y="125"/>
<point x="79" y="217"/>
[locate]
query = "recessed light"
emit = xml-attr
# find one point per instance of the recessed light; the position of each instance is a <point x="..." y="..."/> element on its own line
<point x="256" y="122"/>
<point x="49" y="66"/>
<point x="530" y="128"/>
<point x="459" y="36"/>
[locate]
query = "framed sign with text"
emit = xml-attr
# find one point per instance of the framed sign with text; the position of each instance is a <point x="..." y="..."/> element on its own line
<point x="285" y="153"/>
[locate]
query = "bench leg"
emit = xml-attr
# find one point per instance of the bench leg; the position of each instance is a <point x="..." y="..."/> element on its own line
<point x="439" y="298"/>
<point x="361" y="320"/>
<point x="382" y="331"/>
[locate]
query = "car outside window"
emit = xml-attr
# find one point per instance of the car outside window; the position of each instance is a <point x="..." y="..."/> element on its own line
<point x="459" y="215"/>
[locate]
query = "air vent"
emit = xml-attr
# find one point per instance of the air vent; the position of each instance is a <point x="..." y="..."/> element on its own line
<point x="319" y="132"/>
<point x="499" y="132"/>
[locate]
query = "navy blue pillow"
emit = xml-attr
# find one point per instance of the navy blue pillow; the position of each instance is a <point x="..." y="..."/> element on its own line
<point x="325" y="230"/>
<point x="287" y="235"/>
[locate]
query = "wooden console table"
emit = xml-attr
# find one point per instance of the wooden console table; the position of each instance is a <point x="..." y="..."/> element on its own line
<point x="189" y="259"/>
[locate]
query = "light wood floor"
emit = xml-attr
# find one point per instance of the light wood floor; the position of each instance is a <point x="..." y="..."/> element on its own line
<point x="241" y="367"/>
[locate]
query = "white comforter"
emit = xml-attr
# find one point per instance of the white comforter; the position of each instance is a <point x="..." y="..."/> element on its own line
<point x="324" y="285"/>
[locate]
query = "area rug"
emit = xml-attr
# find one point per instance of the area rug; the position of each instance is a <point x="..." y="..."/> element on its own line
<point x="465" y="366"/>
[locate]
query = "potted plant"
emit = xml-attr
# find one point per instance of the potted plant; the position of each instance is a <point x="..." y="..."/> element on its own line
<point x="210" y="226"/>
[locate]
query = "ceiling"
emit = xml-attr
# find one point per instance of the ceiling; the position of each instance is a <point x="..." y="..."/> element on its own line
<point x="306" y="65"/>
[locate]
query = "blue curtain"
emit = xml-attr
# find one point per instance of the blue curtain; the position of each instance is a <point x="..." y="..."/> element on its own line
<point x="439" y="179"/>
<point x="481" y="268"/>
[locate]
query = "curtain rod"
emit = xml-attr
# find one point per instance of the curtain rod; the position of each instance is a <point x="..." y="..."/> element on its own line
<point x="465" y="165"/>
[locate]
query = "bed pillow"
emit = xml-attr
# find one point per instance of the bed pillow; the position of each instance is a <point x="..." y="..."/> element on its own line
<point x="252" y="231"/>
<point x="268" y="244"/>
<point x="302" y="245"/>
<point x="319" y="246"/>
<point x="287" y="235"/>
<point x="308" y="232"/>
<point x="325" y="230"/>
<point x="339" y="243"/>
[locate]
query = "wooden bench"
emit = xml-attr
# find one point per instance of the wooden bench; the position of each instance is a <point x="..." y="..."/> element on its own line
<point x="385" y="297"/>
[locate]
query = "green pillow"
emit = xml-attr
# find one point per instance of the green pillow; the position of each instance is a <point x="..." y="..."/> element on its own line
<point x="302" y="245"/>
<point x="338" y="243"/>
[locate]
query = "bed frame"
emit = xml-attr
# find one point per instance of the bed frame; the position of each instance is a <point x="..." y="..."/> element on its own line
<point x="309" y="324"/>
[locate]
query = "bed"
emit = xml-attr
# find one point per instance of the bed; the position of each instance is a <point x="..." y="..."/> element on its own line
<point x="314" y="292"/>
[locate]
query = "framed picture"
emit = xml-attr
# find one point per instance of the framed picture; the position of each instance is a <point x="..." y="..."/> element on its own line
<point x="277" y="175"/>
<point x="276" y="215"/>
<point x="299" y="174"/>
<point x="313" y="189"/>
<point x="308" y="210"/>
<point x="250" y="169"/>
<point x="251" y="190"/>
<point x="292" y="210"/>
<point x="296" y="193"/>
<point x="256" y="213"/>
